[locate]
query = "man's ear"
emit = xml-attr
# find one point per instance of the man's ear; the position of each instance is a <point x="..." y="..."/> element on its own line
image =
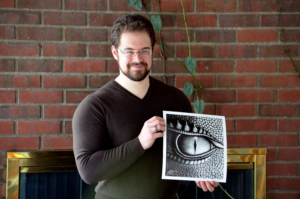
<point x="114" y="51"/>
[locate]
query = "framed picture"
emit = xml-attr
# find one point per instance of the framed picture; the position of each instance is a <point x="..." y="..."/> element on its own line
<point x="194" y="147"/>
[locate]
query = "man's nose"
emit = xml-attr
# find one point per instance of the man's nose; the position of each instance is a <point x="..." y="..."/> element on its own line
<point x="137" y="56"/>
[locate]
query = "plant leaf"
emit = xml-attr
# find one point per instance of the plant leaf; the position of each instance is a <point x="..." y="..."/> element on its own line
<point x="199" y="106"/>
<point x="137" y="4"/>
<point x="156" y="22"/>
<point x="190" y="64"/>
<point x="188" y="89"/>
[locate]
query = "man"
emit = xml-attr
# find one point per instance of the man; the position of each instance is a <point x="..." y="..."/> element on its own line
<point x="118" y="129"/>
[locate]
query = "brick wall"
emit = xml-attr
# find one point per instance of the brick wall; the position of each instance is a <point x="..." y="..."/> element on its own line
<point x="55" y="52"/>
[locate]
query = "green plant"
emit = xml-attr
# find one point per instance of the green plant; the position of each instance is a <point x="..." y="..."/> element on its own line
<point x="190" y="62"/>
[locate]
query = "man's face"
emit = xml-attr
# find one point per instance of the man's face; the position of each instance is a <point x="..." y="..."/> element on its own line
<point x="135" y="67"/>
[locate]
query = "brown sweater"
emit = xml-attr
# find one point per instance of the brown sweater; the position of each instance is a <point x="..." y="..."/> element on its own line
<point x="105" y="127"/>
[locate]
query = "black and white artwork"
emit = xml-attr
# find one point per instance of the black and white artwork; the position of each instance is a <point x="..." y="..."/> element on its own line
<point x="194" y="147"/>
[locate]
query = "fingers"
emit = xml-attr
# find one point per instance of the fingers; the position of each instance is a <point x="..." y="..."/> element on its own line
<point x="207" y="185"/>
<point x="157" y="122"/>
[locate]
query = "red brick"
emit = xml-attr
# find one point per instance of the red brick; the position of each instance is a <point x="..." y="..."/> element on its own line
<point x="229" y="125"/>
<point x="241" y="140"/>
<point x="257" y="6"/>
<point x="290" y="6"/>
<point x="101" y="19"/>
<point x="256" y="125"/>
<point x="61" y="142"/>
<point x="255" y="66"/>
<point x="15" y="17"/>
<point x="237" y="81"/>
<point x="65" y="50"/>
<point x="237" y="51"/>
<point x="64" y="18"/>
<point x="113" y="66"/>
<point x="7" y="65"/>
<point x="40" y="96"/>
<point x="173" y="6"/>
<point x="40" y="34"/>
<point x="168" y="20"/>
<point x="289" y="124"/>
<point x="38" y="127"/>
<point x="100" y="51"/>
<point x="68" y="127"/>
<point x="239" y="20"/>
<point x="236" y="110"/>
<point x="175" y="36"/>
<point x="289" y="95"/>
<point x="2" y="175"/>
<point x="97" y="82"/>
<point x="18" y="143"/>
<point x="287" y="65"/>
<point x="278" y="110"/>
<point x="2" y="190"/>
<point x="271" y="154"/>
<point x="271" y="184"/>
<point x="277" y="51"/>
<point x="19" y="112"/>
<point x="169" y="80"/>
<point x="279" y="81"/>
<point x="277" y="140"/>
<point x="198" y="51"/>
<point x="215" y="6"/>
<point x="116" y="5"/>
<point x="14" y="49"/>
<point x="157" y="50"/>
<point x="86" y="35"/>
<point x="219" y="96"/>
<point x="64" y="81"/>
<point x="289" y="183"/>
<point x="59" y="111"/>
<point x="7" y="33"/>
<point x="256" y="35"/>
<point x="84" y="66"/>
<point x="19" y="81"/>
<point x="290" y="35"/>
<point x="214" y="66"/>
<point x="282" y="169"/>
<point x="37" y="4"/>
<point x="2" y="159"/>
<point x="7" y="4"/>
<point x="7" y="97"/>
<point x="289" y="154"/>
<point x="215" y="36"/>
<point x="282" y="195"/>
<point x="93" y="5"/>
<point x="256" y="95"/>
<point x="34" y="65"/>
<point x="205" y="81"/>
<point x="274" y="20"/>
<point x="208" y="109"/>
<point x="196" y="20"/>
<point x="6" y="127"/>
<point x="76" y="96"/>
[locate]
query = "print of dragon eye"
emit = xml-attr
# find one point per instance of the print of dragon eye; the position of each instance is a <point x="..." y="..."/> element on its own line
<point x="193" y="146"/>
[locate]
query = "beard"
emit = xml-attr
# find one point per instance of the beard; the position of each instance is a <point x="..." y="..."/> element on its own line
<point x="137" y="76"/>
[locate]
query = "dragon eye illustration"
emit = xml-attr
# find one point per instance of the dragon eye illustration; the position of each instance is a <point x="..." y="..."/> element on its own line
<point x="192" y="145"/>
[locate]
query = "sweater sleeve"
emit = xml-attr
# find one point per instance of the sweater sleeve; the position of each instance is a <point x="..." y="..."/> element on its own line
<point x="95" y="159"/>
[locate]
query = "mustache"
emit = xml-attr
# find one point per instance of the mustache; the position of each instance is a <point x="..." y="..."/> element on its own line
<point x="138" y="63"/>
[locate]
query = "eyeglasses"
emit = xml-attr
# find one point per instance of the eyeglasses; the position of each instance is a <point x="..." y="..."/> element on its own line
<point x="131" y="53"/>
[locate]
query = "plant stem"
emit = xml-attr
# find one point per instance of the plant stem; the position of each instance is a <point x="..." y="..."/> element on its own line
<point x="162" y="50"/>
<point x="187" y="32"/>
<point x="225" y="191"/>
<point x="144" y="4"/>
<point x="282" y="35"/>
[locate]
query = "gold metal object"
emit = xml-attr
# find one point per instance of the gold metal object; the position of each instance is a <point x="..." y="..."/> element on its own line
<point x="63" y="161"/>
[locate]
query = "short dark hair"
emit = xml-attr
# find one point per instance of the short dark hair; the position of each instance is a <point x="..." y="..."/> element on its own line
<point x="131" y="23"/>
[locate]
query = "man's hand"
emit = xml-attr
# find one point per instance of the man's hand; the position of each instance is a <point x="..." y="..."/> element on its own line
<point x="148" y="134"/>
<point x="207" y="185"/>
